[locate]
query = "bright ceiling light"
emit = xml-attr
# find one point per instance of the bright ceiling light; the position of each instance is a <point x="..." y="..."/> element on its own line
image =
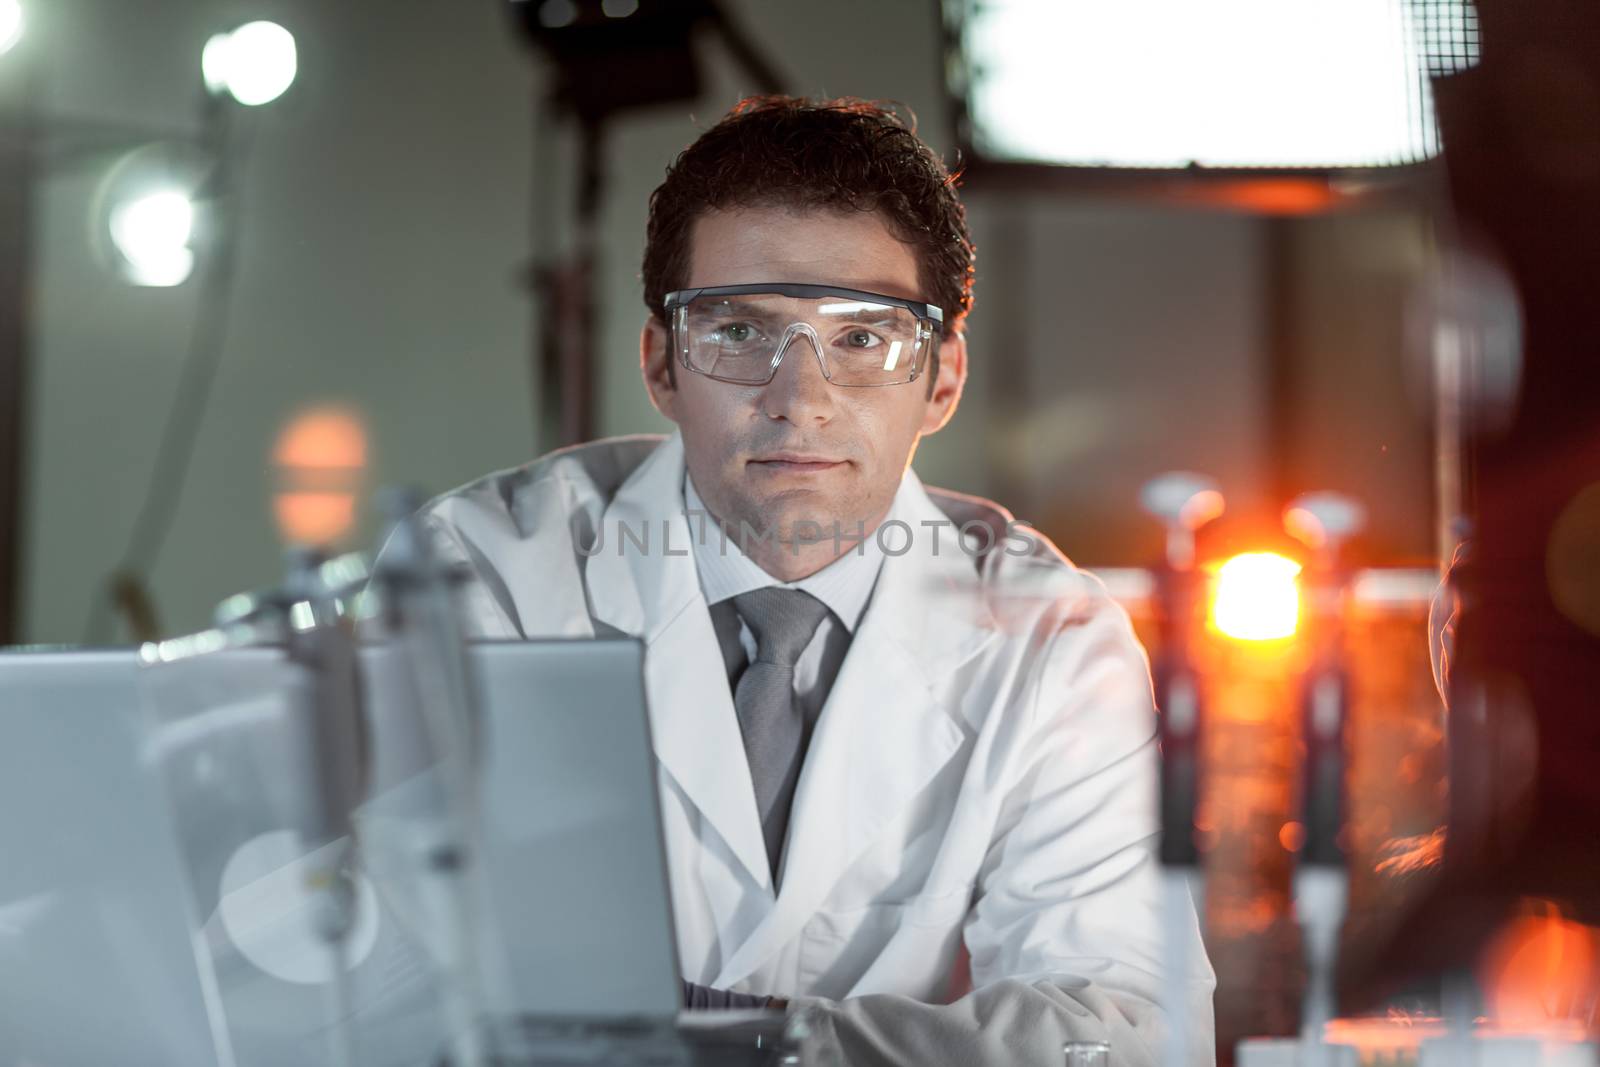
<point x="10" y="24"/>
<point x="255" y="63"/>
<point x="1174" y="83"/>
<point x="149" y="219"/>
<point x="152" y="232"/>
<point x="1257" y="597"/>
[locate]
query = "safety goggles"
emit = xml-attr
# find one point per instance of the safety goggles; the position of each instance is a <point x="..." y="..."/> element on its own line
<point x="739" y="333"/>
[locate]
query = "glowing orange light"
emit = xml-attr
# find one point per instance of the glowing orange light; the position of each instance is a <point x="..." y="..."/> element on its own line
<point x="322" y="438"/>
<point x="314" y="518"/>
<point x="1257" y="597"/>
<point x="1268" y="196"/>
<point x="320" y="456"/>
<point x="1541" y="968"/>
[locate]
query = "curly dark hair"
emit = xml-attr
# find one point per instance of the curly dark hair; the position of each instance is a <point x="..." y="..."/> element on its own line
<point x="843" y="154"/>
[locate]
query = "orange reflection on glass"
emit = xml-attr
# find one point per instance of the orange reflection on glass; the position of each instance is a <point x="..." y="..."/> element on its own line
<point x="1257" y="597"/>
<point x="320" y="457"/>
<point x="1542" y="968"/>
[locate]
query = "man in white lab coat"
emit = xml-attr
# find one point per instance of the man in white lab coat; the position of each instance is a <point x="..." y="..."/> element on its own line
<point x="908" y="770"/>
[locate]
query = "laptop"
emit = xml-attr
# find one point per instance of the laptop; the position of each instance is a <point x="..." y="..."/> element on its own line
<point x="122" y="941"/>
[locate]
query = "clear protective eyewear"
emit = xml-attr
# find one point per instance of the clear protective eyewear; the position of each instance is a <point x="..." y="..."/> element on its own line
<point x="739" y="333"/>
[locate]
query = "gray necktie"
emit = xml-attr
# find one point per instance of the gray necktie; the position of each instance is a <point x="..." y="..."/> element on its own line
<point x="783" y="622"/>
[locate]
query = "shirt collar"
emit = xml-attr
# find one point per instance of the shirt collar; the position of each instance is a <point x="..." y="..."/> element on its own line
<point x="725" y="571"/>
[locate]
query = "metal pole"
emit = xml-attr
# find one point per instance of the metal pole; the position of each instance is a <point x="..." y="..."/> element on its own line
<point x="16" y="224"/>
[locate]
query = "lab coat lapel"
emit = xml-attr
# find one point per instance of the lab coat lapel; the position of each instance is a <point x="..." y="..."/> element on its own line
<point x="889" y="724"/>
<point x="655" y="595"/>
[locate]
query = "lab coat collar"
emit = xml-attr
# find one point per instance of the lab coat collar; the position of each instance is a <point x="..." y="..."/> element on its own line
<point x="883" y="733"/>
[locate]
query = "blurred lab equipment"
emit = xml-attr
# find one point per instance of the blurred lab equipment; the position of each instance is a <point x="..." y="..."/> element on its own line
<point x="1324" y="521"/>
<point x="1183" y="502"/>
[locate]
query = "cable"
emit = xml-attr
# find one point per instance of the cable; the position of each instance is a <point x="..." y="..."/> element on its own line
<point x="175" y="453"/>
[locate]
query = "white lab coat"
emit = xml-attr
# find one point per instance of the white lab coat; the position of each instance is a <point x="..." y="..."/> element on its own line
<point x="977" y="806"/>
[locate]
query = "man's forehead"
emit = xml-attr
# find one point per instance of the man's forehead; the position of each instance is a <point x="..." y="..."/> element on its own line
<point x="852" y="250"/>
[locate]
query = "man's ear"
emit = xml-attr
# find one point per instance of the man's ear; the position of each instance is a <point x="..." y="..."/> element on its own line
<point x="947" y="383"/>
<point x="655" y="365"/>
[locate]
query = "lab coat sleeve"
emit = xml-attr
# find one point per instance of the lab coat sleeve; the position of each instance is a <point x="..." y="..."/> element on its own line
<point x="1065" y="935"/>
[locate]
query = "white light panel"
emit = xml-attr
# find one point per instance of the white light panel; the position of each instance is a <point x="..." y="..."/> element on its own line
<point x="1218" y="83"/>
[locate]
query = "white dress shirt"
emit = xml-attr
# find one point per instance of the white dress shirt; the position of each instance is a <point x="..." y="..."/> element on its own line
<point x="845" y="586"/>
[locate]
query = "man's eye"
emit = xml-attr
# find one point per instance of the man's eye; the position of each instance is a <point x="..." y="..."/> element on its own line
<point x="735" y="332"/>
<point x="862" y="338"/>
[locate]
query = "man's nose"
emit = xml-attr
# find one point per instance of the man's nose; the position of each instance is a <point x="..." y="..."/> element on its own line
<point x="798" y="391"/>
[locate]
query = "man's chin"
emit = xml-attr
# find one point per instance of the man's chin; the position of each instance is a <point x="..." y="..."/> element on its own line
<point x="796" y="514"/>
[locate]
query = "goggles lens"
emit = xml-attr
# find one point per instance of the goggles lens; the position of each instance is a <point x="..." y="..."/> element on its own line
<point x="742" y="338"/>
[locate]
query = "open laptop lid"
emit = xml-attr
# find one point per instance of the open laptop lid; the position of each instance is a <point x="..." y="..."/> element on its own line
<point x="95" y="960"/>
<point x="574" y="865"/>
<point x="92" y="899"/>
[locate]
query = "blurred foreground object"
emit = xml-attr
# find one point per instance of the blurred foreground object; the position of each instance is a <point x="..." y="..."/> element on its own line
<point x="213" y="727"/>
<point x="1522" y="138"/>
<point x="1324" y="521"/>
<point x="1184" y="503"/>
<point x="416" y="594"/>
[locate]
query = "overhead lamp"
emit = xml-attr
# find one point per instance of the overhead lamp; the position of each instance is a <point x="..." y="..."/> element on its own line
<point x="1179" y="86"/>
<point x="151" y="232"/>
<point x="150" y="214"/>
<point x="11" y="24"/>
<point x="255" y="64"/>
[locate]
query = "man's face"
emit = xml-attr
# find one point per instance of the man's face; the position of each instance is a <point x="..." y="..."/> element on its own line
<point x="799" y="449"/>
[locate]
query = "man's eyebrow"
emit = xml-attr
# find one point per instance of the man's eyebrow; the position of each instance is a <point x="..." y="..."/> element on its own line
<point x="872" y="314"/>
<point x="729" y="306"/>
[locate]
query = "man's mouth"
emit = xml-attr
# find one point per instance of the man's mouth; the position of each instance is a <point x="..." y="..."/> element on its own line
<point x="796" y="463"/>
